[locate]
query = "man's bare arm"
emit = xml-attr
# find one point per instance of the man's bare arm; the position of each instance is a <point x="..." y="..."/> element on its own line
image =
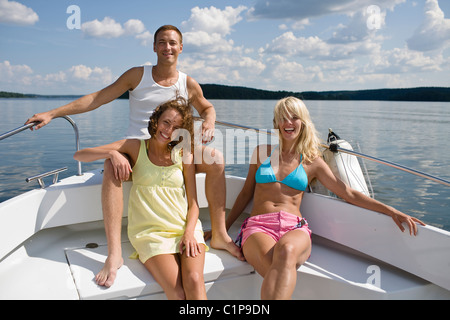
<point x="126" y="81"/>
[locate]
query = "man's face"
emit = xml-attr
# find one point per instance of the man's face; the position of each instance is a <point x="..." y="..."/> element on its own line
<point x="168" y="46"/>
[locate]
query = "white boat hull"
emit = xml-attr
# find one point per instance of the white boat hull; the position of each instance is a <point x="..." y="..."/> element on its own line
<point x="357" y="254"/>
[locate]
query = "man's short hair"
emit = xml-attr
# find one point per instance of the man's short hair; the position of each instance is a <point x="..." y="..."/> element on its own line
<point x="165" y="28"/>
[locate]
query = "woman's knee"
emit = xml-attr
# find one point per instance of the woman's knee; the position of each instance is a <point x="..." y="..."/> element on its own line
<point x="285" y="251"/>
<point x="192" y="280"/>
<point x="291" y="254"/>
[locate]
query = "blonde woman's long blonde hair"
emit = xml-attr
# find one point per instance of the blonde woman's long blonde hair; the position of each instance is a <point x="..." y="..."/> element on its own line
<point x="307" y="143"/>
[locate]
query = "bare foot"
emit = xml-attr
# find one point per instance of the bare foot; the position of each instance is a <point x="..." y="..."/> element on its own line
<point x="225" y="243"/>
<point x="107" y="275"/>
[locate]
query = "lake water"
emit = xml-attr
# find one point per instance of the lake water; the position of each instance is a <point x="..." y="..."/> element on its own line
<point x="414" y="134"/>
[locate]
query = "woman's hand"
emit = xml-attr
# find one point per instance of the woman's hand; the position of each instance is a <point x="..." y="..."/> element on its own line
<point x="189" y="245"/>
<point x="400" y="218"/>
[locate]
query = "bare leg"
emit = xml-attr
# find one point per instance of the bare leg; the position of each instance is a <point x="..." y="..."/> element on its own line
<point x="215" y="188"/>
<point x="258" y="251"/>
<point x="192" y="276"/>
<point x="112" y="204"/>
<point x="165" y="268"/>
<point x="278" y="264"/>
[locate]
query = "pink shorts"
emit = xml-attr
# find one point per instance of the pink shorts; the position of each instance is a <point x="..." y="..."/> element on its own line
<point x="275" y="224"/>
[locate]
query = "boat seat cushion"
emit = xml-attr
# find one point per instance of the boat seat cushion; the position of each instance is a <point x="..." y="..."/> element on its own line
<point x="133" y="279"/>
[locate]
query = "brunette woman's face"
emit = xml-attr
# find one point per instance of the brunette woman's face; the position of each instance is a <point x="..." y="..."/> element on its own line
<point x="169" y="121"/>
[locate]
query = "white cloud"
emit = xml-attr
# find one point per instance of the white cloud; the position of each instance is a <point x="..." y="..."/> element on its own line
<point x="315" y="48"/>
<point x="351" y="55"/>
<point x="231" y="68"/>
<point x="295" y="9"/>
<point x="107" y="28"/>
<point x="434" y="32"/>
<point x="80" y="77"/>
<point x="97" y="75"/>
<point x="301" y="24"/>
<point x="12" y="12"/>
<point x="289" y="45"/>
<point x="10" y="72"/>
<point x="285" y="72"/>
<point x="207" y="28"/>
<point x="134" y="26"/>
<point x="213" y="20"/>
<point x="207" y="42"/>
<point x="347" y="41"/>
<point x="357" y="30"/>
<point x="403" y="60"/>
<point x="146" y="38"/>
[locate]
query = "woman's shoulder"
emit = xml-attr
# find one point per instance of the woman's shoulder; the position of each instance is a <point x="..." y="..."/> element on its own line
<point x="316" y="166"/>
<point x="133" y="143"/>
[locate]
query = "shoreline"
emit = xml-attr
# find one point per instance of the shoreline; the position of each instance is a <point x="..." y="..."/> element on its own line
<point x="223" y="92"/>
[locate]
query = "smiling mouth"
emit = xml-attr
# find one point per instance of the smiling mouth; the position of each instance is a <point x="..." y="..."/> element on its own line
<point x="289" y="130"/>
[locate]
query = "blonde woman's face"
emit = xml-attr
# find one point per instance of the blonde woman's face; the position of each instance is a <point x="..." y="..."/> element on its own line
<point x="290" y="128"/>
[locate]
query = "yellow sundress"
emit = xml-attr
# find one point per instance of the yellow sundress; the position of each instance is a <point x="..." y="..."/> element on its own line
<point x="157" y="208"/>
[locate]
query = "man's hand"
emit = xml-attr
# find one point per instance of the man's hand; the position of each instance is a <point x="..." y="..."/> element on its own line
<point x="121" y="165"/>
<point x="207" y="132"/>
<point x="43" y="119"/>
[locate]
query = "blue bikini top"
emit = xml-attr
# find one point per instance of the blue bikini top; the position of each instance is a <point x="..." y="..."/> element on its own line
<point x="297" y="179"/>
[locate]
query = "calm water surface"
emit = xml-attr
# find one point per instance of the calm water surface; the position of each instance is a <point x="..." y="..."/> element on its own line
<point x="414" y="134"/>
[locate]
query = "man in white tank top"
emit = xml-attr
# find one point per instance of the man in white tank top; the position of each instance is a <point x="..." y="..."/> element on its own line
<point x="149" y="87"/>
<point x="150" y="93"/>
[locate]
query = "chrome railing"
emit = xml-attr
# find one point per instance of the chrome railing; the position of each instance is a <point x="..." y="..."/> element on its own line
<point x="53" y="172"/>
<point x="335" y="148"/>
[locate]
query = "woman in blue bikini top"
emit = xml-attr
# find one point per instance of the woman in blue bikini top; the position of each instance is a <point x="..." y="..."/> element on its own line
<point x="276" y="239"/>
<point x="297" y="179"/>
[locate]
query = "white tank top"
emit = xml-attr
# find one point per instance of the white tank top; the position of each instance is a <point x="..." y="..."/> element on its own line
<point x="146" y="97"/>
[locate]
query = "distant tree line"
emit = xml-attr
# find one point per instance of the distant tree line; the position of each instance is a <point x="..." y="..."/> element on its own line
<point x="214" y="91"/>
<point x="4" y="94"/>
<point x="409" y="94"/>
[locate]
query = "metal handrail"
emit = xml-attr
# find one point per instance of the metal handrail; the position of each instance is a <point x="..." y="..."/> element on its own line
<point x="27" y="126"/>
<point x="335" y="148"/>
<point x="17" y="130"/>
<point x="390" y="164"/>
<point x="41" y="176"/>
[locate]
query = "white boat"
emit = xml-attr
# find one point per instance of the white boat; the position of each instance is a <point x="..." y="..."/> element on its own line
<point x="53" y="243"/>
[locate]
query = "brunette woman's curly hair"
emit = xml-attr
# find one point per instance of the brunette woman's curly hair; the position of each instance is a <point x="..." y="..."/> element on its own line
<point x="181" y="105"/>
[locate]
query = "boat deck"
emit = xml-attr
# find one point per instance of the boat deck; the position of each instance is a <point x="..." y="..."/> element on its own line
<point x="65" y="268"/>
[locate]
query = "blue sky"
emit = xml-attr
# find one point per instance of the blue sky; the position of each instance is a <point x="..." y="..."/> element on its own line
<point x="267" y="44"/>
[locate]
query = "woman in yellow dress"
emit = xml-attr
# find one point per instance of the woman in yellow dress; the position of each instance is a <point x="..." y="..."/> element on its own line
<point x="163" y="224"/>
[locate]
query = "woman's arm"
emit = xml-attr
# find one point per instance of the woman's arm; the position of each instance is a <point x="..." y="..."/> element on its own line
<point x="246" y="193"/>
<point x="191" y="245"/>
<point x="324" y="174"/>
<point x="115" y="152"/>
